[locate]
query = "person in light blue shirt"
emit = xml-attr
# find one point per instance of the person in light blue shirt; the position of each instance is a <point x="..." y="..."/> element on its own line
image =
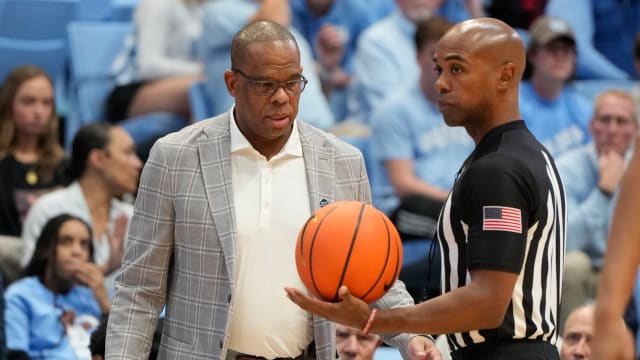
<point x="554" y="112"/>
<point x="222" y="20"/>
<point x="332" y="28"/>
<point x="415" y="157"/>
<point x="605" y="31"/>
<point x="50" y="311"/>
<point x="591" y="175"/>
<point x="385" y="56"/>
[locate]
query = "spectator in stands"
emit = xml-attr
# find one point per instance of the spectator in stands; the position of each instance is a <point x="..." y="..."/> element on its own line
<point x="591" y="175"/>
<point x="555" y="113"/>
<point x="103" y="167"/>
<point x="518" y="14"/>
<point x="158" y="63"/>
<point x="415" y="158"/>
<point x="225" y="18"/>
<point x="333" y="28"/>
<point x="578" y="333"/>
<point x="352" y="344"/>
<point x="50" y="311"/>
<point x="605" y="31"/>
<point x="419" y="152"/>
<point x="385" y="56"/>
<point x="381" y="8"/>
<point x="31" y="158"/>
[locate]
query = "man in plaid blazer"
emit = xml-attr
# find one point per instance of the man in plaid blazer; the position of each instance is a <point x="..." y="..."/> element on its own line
<point x="217" y="214"/>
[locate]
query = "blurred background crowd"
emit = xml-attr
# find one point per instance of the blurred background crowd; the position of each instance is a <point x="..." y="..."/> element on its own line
<point x="89" y="85"/>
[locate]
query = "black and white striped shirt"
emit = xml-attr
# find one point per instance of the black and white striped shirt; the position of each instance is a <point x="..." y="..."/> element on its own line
<point x="506" y="212"/>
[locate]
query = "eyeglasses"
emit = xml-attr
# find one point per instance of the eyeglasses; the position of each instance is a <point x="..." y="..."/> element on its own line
<point x="269" y="87"/>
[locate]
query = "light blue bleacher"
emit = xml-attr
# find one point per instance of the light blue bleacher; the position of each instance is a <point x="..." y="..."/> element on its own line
<point x="34" y="32"/>
<point x="591" y="88"/>
<point x="36" y="19"/>
<point x="199" y="101"/>
<point x="47" y="54"/>
<point x="106" y="10"/>
<point x="93" y="47"/>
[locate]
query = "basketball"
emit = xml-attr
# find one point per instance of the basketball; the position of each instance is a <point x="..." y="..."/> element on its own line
<point x="348" y="243"/>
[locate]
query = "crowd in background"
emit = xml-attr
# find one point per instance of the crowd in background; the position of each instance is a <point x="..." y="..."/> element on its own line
<point x="369" y="64"/>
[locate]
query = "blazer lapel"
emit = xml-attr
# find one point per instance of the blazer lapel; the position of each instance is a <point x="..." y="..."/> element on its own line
<point x="320" y="168"/>
<point x="214" y="148"/>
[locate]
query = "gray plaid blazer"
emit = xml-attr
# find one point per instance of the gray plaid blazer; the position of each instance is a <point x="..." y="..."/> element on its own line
<point x="180" y="249"/>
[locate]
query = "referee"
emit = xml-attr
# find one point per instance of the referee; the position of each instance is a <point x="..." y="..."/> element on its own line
<point x="502" y="228"/>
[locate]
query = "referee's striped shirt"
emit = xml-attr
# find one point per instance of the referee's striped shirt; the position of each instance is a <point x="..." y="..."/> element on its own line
<point x="506" y="212"/>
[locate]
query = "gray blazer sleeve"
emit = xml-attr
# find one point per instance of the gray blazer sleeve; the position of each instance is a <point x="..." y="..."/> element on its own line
<point x="141" y="285"/>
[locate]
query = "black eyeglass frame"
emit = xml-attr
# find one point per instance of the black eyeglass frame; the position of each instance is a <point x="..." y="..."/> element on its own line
<point x="257" y="84"/>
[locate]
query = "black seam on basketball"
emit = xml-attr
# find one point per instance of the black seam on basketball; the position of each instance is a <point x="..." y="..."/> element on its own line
<point x="386" y="261"/>
<point x="353" y="241"/>
<point x="304" y="230"/>
<point x="396" y="273"/>
<point x="313" y="241"/>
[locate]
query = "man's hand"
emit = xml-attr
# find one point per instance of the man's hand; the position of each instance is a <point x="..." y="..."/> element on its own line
<point x="611" y="167"/>
<point x="349" y="311"/>
<point x="422" y="348"/>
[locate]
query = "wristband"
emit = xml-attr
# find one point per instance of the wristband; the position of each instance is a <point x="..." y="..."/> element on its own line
<point x="367" y="326"/>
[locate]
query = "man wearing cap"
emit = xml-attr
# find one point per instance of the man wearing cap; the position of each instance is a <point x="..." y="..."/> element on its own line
<point x="556" y="114"/>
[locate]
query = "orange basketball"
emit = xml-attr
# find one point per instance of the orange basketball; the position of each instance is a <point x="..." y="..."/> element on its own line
<point x="349" y="243"/>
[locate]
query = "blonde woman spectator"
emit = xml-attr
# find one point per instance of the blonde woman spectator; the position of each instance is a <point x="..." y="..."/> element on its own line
<point x="31" y="157"/>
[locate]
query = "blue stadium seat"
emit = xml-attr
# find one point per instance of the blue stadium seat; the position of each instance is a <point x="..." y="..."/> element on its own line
<point x="36" y="19"/>
<point x="201" y="107"/>
<point x="591" y="88"/>
<point x="50" y="55"/>
<point x="93" y="47"/>
<point x="106" y="10"/>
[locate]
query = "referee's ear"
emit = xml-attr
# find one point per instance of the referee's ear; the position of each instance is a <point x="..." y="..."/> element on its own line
<point x="507" y="76"/>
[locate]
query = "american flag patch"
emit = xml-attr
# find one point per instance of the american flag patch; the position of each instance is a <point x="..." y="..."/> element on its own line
<point x="501" y="218"/>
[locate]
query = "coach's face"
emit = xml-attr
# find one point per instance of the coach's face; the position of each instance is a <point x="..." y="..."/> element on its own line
<point x="266" y="117"/>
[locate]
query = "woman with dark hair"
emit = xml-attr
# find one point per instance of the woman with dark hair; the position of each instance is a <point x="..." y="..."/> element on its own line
<point x="103" y="167"/>
<point x="62" y="296"/>
<point x="31" y="157"/>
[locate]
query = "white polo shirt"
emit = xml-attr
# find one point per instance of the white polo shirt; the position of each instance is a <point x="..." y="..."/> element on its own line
<point x="271" y="205"/>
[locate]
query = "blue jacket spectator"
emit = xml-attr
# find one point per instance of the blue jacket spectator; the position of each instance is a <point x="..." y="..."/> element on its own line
<point x="605" y="31"/>
<point x="50" y="312"/>
<point x="591" y="175"/>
